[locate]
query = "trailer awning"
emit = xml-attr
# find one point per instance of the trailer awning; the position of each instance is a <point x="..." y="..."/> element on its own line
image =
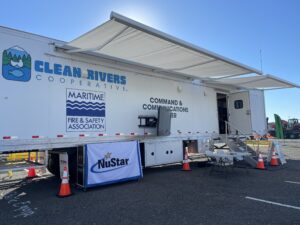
<point x="265" y="82"/>
<point x="127" y="40"/>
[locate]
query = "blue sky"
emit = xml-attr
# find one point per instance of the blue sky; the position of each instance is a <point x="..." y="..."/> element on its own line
<point x="237" y="29"/>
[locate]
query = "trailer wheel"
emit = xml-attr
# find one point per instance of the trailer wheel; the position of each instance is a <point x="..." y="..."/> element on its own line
<point x="53" y="164"/>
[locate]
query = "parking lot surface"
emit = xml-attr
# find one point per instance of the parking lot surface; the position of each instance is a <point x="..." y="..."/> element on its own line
<point x="166" y="195"/>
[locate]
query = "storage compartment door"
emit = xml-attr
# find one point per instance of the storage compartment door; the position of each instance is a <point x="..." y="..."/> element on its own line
<point x="169" y="152"/>
<point x="239" y="113"/>
<point x="150" y="154"/>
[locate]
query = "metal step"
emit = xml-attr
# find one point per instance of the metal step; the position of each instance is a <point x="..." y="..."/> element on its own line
<point x="233" y="146"/>
<point x="236" y="144"/>
<point x="252" y="162"/>
<point x="249" y="149"/>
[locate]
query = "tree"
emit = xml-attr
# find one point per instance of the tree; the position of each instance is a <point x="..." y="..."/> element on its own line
<point x="27" y="61"/>
<point x="15" y="58"/>
<point x="5" y="58"/>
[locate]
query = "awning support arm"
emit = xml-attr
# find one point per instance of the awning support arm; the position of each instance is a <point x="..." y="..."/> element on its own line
<point x="98" y="48"/>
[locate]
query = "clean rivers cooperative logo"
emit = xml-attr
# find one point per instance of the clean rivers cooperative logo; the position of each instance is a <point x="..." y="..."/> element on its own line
<point x="16" y="64"/>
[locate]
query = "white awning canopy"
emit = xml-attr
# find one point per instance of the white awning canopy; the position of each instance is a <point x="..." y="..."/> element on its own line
<point x="265" y="82"/>
<point x="130" y="41"/>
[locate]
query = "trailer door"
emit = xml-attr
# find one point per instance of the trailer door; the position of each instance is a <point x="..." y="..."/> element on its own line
<point x="239" y="113"/>
<point x="258" y="114"/>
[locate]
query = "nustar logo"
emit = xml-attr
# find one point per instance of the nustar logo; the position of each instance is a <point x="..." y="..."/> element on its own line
<point x="109" y="163"/>
<point x="16" y="64"/>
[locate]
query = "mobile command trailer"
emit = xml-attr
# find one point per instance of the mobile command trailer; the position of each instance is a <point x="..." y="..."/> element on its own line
<point x="104" y="85"/>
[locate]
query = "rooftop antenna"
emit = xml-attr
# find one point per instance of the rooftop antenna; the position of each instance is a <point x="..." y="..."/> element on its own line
<point x="261" y="61"/>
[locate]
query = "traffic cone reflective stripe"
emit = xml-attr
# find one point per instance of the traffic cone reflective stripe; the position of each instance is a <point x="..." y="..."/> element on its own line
<point x="185" y="162"/>
<point x="31" y="172"/>
<point x="65" y="189"/>
<point x="274" y="160"/>
<point x="260" y="163"/>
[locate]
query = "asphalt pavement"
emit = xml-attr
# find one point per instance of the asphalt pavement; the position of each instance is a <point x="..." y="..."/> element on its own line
<point x="166" y="195"/>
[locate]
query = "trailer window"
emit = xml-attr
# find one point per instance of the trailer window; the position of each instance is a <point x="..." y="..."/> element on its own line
<point x="238" y="104"/>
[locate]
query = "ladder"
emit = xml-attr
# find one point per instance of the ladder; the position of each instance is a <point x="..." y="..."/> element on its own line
<point x="237" y="145"/>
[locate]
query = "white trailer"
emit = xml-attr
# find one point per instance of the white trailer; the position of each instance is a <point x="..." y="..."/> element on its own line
<point x="57" y="96"/>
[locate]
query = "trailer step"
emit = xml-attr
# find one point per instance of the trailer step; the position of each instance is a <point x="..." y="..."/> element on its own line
<point x="251" y="161"/>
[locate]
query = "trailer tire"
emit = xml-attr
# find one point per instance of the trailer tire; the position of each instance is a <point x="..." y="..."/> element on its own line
<point x="72" y="155"/>
<point x="53" y="164"/>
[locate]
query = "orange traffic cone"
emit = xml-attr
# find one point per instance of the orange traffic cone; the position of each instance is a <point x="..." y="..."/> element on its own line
<point x="274" y="160"/>
<point x="260" y="163"/>
<point x="31" y="172"/>
<point x="185" y="162"/>
<point x="65" y="189"/>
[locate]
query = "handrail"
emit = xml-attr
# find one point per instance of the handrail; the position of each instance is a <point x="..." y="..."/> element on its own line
<point x="231" y="124"/>
<point x="228" y="125"/>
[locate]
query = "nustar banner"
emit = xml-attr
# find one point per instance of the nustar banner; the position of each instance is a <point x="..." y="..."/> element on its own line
<point x="107" y="163"/>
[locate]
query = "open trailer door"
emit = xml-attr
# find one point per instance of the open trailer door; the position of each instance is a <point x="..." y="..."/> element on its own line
<point x="239" y="113"/>
<point x="247" y="108"/>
